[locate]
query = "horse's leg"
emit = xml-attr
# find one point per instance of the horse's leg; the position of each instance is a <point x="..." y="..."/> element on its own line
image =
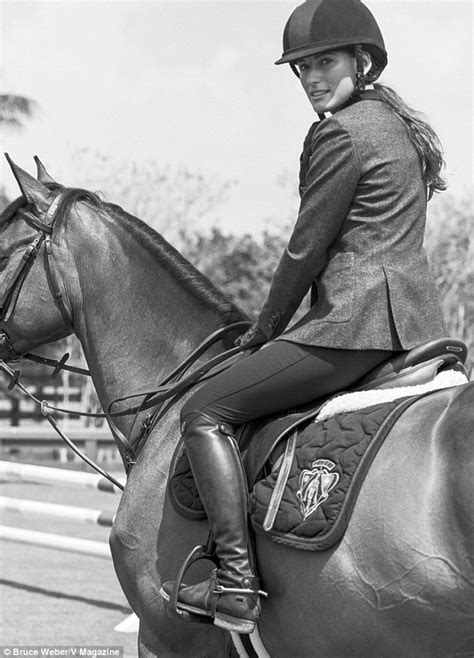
<point x="149" y="542"/>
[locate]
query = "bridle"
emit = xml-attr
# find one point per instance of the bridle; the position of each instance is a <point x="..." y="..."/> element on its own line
<point x="9" y="299"/>
<point x="171" y="388"/>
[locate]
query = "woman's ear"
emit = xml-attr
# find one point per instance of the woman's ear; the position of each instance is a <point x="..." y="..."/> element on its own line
<point x="367" y="59"/>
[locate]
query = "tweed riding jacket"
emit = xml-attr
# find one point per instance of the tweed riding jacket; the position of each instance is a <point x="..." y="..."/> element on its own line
<point x="359" y="239"/>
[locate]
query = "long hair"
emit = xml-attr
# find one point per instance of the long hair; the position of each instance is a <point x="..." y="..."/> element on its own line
<point x="424" y="138"/>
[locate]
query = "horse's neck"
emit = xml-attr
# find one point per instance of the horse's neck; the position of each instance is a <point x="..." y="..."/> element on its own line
<point x="134" y="320"/>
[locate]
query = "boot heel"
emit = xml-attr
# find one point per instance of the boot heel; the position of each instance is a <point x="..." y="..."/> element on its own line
<point x="234" y="624"/>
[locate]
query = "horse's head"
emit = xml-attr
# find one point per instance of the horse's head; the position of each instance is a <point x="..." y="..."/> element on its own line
<point x="33" y="310"/>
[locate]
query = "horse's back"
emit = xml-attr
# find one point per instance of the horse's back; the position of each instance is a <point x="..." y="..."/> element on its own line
<point x="401" y="582"/>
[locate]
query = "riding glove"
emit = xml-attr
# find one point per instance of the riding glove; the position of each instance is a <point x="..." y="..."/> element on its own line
<point x="253" y="337"/>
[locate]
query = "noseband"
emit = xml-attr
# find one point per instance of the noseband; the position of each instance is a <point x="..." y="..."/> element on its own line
<point x="9" y="298"/>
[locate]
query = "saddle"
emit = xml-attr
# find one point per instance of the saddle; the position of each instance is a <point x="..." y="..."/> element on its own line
<point x="306" y="467"/>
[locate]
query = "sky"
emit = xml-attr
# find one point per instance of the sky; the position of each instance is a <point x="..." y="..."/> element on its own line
<point x="194" y="84"/>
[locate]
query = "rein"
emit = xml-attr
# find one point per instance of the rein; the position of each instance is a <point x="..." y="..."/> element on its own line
<point x="45" y="410"/>
<point x="171" y="388"/>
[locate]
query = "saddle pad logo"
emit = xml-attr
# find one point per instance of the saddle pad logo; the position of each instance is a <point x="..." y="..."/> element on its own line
<point x="315" y="485"/>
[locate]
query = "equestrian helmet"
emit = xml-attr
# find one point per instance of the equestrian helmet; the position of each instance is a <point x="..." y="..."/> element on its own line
<point x="320" y="25"/>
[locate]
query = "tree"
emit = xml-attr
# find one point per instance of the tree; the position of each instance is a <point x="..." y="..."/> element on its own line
<point x="15" y="109"/>
<point x="241" y="266"/>
<point x="171" y="199"/>
<point x="449" y="243"/>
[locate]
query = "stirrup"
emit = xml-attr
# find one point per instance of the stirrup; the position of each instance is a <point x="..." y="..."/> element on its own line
<point x="198" y="553"/>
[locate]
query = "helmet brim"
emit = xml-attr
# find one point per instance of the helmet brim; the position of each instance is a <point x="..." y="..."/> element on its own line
<point x="291" y="56"/>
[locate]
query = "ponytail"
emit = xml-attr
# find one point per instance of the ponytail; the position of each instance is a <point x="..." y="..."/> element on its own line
<point x="424" y="139"/>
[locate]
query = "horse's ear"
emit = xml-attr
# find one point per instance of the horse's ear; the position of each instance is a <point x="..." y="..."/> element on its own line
<point x="33" y="190"/>
<point x="41" y="173"/>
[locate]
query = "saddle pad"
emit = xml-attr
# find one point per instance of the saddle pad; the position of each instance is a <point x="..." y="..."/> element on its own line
<point x="328" y="466"/>
<point x="331" y="458"/>
<point x="263" y="438"/>
<point x="360" y="399"/>
<point x="182" y="489"/>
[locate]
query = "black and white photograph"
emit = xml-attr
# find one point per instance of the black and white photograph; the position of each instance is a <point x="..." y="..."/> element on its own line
<point x="236" y="329"/>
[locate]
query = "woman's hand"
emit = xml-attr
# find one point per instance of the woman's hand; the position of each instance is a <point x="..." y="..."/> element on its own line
<point x="253" y="337"/>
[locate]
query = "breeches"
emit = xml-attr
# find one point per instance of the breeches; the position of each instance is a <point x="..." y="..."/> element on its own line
<point x="280" y="376"/>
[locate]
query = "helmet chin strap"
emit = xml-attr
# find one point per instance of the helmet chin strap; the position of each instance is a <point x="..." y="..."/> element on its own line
<point x="360" y="75"/>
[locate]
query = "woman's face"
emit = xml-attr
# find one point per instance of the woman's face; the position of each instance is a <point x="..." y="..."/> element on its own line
<point x="328" y="79"/>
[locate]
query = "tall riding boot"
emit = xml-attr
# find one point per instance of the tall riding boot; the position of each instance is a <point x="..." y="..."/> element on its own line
<point x="231" y="596"/>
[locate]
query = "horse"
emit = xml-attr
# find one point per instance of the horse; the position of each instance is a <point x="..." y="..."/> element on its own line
<point x="401" y="580"/>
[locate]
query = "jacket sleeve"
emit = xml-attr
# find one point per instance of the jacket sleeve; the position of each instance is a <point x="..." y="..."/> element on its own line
<point x="332" y="180"/>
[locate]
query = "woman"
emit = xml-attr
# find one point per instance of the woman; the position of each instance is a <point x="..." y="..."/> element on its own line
<point x="367" y="172"/>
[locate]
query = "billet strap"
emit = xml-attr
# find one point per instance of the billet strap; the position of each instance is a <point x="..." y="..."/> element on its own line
<point x="280" y="484"/>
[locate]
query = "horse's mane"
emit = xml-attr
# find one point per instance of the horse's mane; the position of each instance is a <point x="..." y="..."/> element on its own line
<point x="176" y="264"/>
<point x="178" y="267"/>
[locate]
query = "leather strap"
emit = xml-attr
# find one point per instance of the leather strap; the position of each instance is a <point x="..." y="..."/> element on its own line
<point x="53" y="283"/>
<point x="57" y="365"/>
<point x="280" y="484"/>
<point x="16" y="280"/>
<point x="15" y="283"/>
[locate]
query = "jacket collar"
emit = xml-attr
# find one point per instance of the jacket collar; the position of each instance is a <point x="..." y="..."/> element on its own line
<point x="367" y="95"/>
